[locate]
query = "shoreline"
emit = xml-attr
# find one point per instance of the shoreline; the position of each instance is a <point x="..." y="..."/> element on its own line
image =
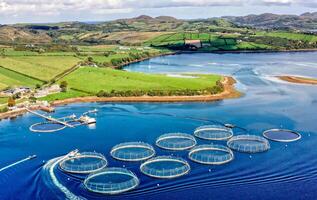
<point x="248" y="51"/>
<point x="299" y="80"/>
<point x="177" y="52"/>
<point x="228" y="93"/>
<point x="121" y="66"/>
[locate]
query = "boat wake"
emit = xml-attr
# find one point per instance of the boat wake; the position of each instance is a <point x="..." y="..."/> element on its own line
<point x="52" y="181"/>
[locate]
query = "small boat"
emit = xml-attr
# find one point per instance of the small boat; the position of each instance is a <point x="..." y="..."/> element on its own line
<point x="72" y="153"/>
<point x="87" y="120"/>
<point x="230" y="125"/>
<point x="32" y="157"/>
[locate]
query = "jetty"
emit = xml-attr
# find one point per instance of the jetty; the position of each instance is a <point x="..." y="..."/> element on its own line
<point x="49" y="118"/>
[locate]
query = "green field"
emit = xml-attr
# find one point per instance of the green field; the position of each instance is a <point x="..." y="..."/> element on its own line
<point x="42" y="68"/>
<point x="252" y="46"/>
<point x="216" y="41"/>
<point x="3" y="100"/>
<point x="64" y="95"/>
<point x="93" y="80"/>
<point x="174" y="38"/>
<point x="10" y="79"/>
<point x="290" y="36"/>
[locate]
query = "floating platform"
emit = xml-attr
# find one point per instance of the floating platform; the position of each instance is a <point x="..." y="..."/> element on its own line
<point x="58" y="124"/>
<point x="176" y="141"/>
<point x="211" y="154"/>
<point x="132" y="151"/>
<point x="111" y="181"/>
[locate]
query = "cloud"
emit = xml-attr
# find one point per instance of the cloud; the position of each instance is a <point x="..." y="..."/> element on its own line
<point x="44" y="6"/>
<point x="37" y="9"/>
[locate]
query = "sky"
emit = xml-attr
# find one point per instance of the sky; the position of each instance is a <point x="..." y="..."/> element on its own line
<point x="42" y="11"/>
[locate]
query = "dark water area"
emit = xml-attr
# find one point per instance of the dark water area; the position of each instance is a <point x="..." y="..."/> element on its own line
<point x="286" y="171"/>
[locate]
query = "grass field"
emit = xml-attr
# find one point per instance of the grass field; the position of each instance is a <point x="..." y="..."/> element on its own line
<point x="39" y="67"/>
<point x="216" y="41"/>
<point x="171" y="38"/>
<point x="27" y="68"/>
<point x="290" y="36"/>
<point x="93" y="80"/>
<point x="64" y="95"/>
<point x="3" y="100"/>
<point x="10" y="78"/>
<point x="252" y="46"/>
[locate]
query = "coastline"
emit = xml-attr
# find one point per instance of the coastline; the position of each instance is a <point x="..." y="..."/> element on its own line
<point x="121" y="66"/>
<point x="176" y="52"/>
<point x="299" y="80"/>
<point x="249" y="51"/>
<point x="228" y="93"/>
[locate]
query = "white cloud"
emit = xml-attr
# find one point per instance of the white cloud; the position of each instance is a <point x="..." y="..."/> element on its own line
<point x="43" y="6"/>
<point x="60" y="9"/>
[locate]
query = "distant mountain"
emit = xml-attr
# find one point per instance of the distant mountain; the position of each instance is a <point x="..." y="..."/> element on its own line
<point x="166" y="18"/>
<point x="306" y="21"/>
<point x="138" y="29"/>
<point x="143" y="17"/>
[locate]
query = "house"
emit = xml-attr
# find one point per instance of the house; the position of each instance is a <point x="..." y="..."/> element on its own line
<point x="124" y="48"/>
<point x="196" y="44"/>
<point x="19" y="90"/>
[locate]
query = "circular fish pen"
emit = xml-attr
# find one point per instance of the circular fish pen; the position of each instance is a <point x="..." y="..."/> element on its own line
<point x="211" y="154"/>
<point x="176" y="141"/>
<point x="165" y="167"/>
<point x="213" y="132"/>
<point x="282" y="135"/>
<point x="132" y="151"/>
<point x="249" y="144"/>
<point x="83" y="163"/>
<point x="47" y="127"/>
<point x="111" y="181"/>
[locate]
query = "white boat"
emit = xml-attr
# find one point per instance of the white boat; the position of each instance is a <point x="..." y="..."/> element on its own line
<point x="87" y="120"/>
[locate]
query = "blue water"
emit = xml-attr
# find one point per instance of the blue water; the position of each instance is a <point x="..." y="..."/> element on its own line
<point x="286" y="171"/>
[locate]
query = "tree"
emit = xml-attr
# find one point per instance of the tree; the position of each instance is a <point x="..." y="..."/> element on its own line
<point x="38" y="86"/>
<point x="3" y="54"/>
<point x="11" y="102"/>
<point x="90" y="59"/>
<point x="32" y="99"/>
<point x="63" y="86"/>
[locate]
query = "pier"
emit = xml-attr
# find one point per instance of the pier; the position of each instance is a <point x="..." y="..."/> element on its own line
<point x="50" y="118"/>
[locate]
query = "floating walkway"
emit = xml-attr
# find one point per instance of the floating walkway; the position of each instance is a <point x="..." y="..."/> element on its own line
<point x="50" y="118"/>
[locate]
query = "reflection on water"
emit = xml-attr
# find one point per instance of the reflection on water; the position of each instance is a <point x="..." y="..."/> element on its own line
<point x="284" y="172"/>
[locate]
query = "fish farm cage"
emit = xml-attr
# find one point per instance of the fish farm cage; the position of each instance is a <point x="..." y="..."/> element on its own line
<point x="132" y="151"/>
<point x="213" y="132"/>
<point x="83" y="163"/>
<point x="176" y="141"/>
<point x="111" y="181"/>
<point x="249" y="143"/>
<point x="282" y="135"/>
<point x="211" y="154"/>
<point x="165" y="167"/>
<point x="47" y="127"/>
